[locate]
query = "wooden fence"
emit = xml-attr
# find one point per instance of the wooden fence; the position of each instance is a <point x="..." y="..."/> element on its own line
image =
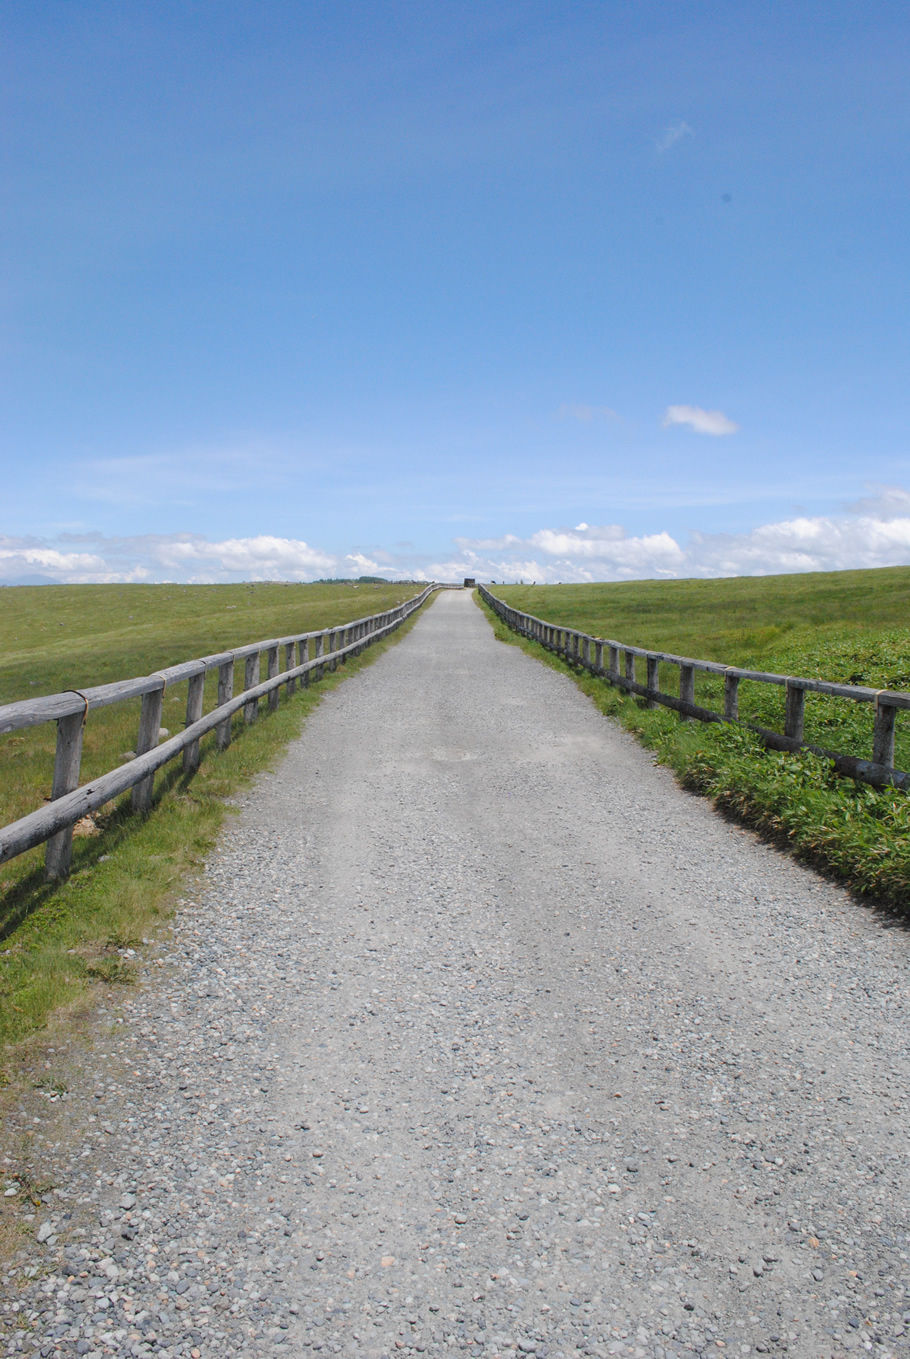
<point x="54" y="822"/>
<point x="615" y="662"/>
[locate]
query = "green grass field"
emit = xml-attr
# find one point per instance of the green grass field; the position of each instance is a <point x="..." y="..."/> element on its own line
<point x="852" y="627"/>
<point x="737" y="621"/>
<point x="69" y="637"/>
<point x="57" y="939"/>
<point x="847" y="626"/>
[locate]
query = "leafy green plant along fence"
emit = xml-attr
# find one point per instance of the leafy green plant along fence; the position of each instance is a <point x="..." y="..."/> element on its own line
<point x="616" y="663"/>
<point x="54" y="822"/>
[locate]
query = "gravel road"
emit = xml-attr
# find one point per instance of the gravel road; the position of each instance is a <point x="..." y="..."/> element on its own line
<point x="482" y="1038"/>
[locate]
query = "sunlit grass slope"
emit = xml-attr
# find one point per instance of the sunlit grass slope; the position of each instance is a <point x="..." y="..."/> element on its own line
<point x="746" y="620"/>
<point x="67" y="636"/>
<point x="73" y="636"/>
<point x="847" y="626"/>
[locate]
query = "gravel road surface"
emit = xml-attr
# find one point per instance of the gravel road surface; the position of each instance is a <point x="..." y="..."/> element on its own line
<point x="482" y="1038"/>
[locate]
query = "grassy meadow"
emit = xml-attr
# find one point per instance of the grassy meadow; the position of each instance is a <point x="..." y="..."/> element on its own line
<point x="57" y="939"/>
<point x="847" y="626"/>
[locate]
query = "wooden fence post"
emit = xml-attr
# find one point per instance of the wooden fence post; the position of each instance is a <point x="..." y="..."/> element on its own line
<point x="149" y="727"/>
<point x="58" y="855"/>
<point x="598" y="657"/>
<point x="271" y="654"/>
<point x="687" y="688"/>
<point x="225" y="692"/>
<point x="319" y="641"/>
<point x="652" y="669"/>
<point x="613" y="664"/>
<point x="630" y="667"/>
<point x="796" y="708"/>
<point x="251" y="678"/>
<point x="195" y="692"/>
<point x="303" y="655"/>
<point x="883" y="733"/>
<point x="289" y="665"/>
<point x="731" y="697"/>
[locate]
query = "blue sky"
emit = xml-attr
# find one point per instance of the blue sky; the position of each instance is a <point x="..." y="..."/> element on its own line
<point x="550" y="291"/>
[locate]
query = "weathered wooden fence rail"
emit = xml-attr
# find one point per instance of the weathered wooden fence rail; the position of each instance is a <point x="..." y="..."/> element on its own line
<point x="54" y="822"/>
<point x="615" y="662"/>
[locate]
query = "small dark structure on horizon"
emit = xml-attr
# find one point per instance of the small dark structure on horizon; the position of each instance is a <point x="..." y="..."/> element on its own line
<point x="469" y="582"/>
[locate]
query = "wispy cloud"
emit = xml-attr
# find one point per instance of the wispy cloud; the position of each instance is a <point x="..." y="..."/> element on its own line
<point x="702" y="421"/>
<point x="885" y="502"/>
<point x="181" y="477"/>
<point x="673" y="134"/>
<point x="585" y="413"/>
<point x="508" y="540"/>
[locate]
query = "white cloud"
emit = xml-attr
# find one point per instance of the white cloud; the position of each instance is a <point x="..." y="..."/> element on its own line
<point x="158" y="557"/>
<point x="364" y="566"/>
<point x="259" y="558"/>
<point x="702" y="421"/>
<point x="672" y="134"/>
<point x="611" y="546"/>
<point x="804" y="543"/>
<point x="873" y="532"/>
<point x="48" y="559"/>
<point x="809" y="544"/>
<point x="24" y="558"/>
